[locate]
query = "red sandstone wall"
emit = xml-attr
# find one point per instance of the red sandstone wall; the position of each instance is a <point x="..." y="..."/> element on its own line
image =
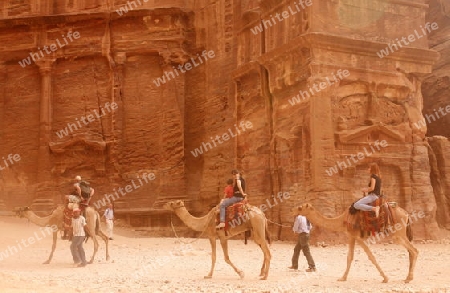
<point x="251" y="78"/>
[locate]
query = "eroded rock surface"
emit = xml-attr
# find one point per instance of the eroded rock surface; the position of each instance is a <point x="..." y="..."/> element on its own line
<point x="162" y="79"/>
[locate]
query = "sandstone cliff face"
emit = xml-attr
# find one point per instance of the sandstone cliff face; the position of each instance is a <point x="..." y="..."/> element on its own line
<point x="436" y="94"/>
<point x="436" y="86"/>
<point x="306" y="103"/>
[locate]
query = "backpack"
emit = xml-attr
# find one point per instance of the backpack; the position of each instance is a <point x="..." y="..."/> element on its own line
<point x="85" y="189"/>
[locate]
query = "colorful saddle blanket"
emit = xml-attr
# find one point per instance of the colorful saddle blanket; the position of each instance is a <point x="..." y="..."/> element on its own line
<point x="234" y="214"/>
<point x="367" y="223"/>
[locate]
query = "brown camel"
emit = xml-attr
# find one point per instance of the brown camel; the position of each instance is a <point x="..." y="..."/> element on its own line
<point x="56" y="219"/>
<point x="401" y="235"/>
<point x="255" y="221"/>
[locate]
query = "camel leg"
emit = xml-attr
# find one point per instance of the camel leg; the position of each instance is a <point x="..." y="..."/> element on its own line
<point x="351" y="251"/>
<point x="266" y="263"/>
<point x="55" y="238"/>
<point x="212" y="241"/>
<point x="263" y="267"/>
<point x="372" y="259"/>
<point x="93" y="221"/>
<point x="413" y="253"/>
<point x="224" y="244"/>
<point x="261" y="241"/>
<point x="94" y="238"/>
<point x="106" y="239"/>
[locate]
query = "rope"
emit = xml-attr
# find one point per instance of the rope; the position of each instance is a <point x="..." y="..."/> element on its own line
<point x="182" y="241"/>
<point x="278" y="224"/>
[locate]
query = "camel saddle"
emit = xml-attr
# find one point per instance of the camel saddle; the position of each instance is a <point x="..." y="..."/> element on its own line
<point x="234" y="212"/>
<point x="366" y="221"/>
<point x="68" y="213"/>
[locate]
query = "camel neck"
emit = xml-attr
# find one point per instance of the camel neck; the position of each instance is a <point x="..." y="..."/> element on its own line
<point x="40" y="221"/>
<point x="333" y="224"/>
<point x="197" y="224"/>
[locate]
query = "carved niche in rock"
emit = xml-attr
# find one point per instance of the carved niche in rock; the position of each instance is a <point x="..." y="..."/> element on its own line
<point x="359" y="105"/>
<point x="79" y="153"/>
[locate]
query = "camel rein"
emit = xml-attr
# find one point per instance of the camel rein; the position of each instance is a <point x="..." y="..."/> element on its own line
<point x="176" y="235"/>
<point x="278" y="224"/>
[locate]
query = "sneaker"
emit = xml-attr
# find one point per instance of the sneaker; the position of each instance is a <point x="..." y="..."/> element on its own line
<point x="309" y="270"/>
<point x="221" y="225"/>
<point x="292" y="268"/>
<point x="377" y="211"/>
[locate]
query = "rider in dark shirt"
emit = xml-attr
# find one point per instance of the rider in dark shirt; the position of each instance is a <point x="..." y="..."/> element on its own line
<point x="374" y="191"/>
<point x="238" y="195"/>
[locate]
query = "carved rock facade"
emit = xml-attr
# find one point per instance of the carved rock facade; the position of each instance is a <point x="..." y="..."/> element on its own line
<point x="312" y="85"/>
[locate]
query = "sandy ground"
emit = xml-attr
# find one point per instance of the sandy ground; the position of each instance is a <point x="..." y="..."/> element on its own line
<point x="144" y="264"/>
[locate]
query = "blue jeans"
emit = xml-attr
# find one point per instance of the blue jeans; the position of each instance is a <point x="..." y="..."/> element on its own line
<point x="363" y="203"/>
<point x="226" y="203"/>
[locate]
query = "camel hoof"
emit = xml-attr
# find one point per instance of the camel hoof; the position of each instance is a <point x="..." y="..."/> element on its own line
<point x="263" y="278"/>
<point x="107" y="258"/>
<point x="91" y="262"/>
<point x="207" y="277"/>
<point x="408" y="280"/>
<point x="46" y="262"/>
<point x="385" y="280"/>
<point x="342" y="279"/>
<point x="241" y="274"/>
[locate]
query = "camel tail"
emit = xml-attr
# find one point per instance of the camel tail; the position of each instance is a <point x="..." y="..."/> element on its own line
<point x="409" y="232"/>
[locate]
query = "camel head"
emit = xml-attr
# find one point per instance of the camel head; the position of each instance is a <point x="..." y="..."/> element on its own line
<point x="304" y="209"/>
<point x="173" y="205"/>
<point x="20" y="211"/>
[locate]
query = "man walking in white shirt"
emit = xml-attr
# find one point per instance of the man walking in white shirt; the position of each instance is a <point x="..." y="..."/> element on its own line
<point x="109" y="216"/>
<point x="302" y="227"/>
<point x="79" y="226"/>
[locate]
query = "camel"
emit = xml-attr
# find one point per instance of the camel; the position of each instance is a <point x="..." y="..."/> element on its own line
<point x="56" y="219"/>
<point x="256" y="221"/>
<point x="402" y="236"/>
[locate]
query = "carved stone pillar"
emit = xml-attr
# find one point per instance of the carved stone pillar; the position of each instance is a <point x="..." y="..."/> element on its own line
<point x="2" y="98"/>
<point x="45" y="119"/>
<point x="115" y="132"/>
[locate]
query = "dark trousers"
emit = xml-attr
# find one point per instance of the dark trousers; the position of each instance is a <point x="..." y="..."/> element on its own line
<point x="302" y="244"/>
<point x="77" y="249"/>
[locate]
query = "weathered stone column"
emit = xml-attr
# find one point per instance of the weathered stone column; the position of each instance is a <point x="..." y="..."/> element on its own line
<point x="45" y="120"/>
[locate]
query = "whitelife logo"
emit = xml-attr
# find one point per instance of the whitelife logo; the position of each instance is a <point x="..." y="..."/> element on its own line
<point x="411" y="38"/>
<point x="129" y="188"/>
<point x="421" y="123"/>
<point x="318" y="87"/>
<point x="11" y="158"/>
<point x="391" y="229"/>
<point x="360" y="156"/>
<point x="263" y="207"/>
<point x="90" y="118"/>
<point x="53" y="48"/>
<point x="127" y="7"/>
<point x="188" y="66"/>
<point x="243" y="125"/>
<point x="285" y="14"/>
<point x="11" y="250"/>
